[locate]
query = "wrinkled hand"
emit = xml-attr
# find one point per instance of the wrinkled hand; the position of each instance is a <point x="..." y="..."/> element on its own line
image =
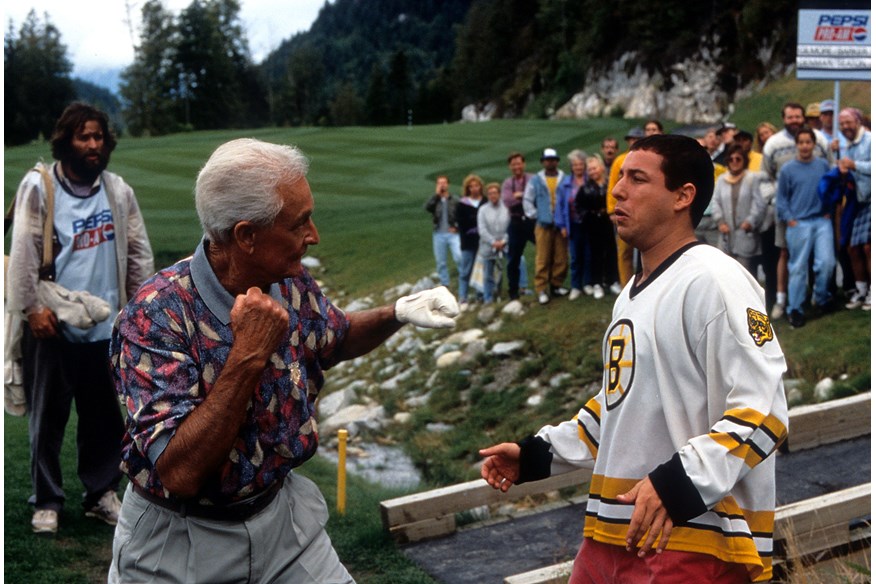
<point x="501" y="465"/>
<point x="649" y="516"/>
<point x="258" y="322"/>
<point x="43" y="324"/>
<point x="435" y="308"/>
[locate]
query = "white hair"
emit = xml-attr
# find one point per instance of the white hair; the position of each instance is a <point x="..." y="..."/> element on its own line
<point x="239" y="183"/>
<point x="577" y="154"/>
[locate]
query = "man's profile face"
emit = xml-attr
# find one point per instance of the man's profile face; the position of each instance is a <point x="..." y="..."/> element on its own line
<point x="280" y="246"/>
<point x="88" y="157"/>
<point x="793" y="119"/>
<point x="645" y="207"/>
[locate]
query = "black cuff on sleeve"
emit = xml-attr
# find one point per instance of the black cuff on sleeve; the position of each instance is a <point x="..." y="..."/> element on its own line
<point x="677" y="491"/>
<point x="535" y="459"/>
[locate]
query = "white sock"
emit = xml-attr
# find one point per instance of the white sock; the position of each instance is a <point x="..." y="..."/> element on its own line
<point x="862" y="288"/>
<point x="781" y="297"/>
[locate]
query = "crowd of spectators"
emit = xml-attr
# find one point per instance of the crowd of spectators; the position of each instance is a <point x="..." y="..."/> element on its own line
<point x="789" y="203"/>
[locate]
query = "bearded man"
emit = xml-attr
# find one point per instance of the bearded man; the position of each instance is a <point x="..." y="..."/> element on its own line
<point x="99" y="246"/>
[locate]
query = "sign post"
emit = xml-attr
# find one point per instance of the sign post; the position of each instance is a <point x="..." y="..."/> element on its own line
<point x="833" y="43"/>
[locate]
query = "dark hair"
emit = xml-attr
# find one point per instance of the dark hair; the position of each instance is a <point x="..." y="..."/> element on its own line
<point x="684" y="161"/>
<point x="656" y="123"/>
<point x="72" y="119"/>
<point x="609" y="139"/>
<point x="736" y="148"/>
<point x="743" y="135"/>
<point x="806" y="130"/>
<point x="514" y="155"/>
<point x="793" y="105"/>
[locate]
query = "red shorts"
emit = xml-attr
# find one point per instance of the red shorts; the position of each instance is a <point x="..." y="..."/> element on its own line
<point x="600" y="563"/>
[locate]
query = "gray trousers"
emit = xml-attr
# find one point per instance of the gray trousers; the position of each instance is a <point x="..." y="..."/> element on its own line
<point x="285" y="542"/>
<point x="57" y="372"/>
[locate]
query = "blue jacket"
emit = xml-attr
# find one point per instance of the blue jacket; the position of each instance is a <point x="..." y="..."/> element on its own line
<point x="537" y="199"/>
<point x="564" y="211"/>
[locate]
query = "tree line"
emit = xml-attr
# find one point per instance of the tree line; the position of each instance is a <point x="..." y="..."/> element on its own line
<point x="389" y="61"/>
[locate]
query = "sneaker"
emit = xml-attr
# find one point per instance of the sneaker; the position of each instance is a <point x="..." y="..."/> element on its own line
<point x="575" y="294"/>
<point x="543" y="298"/>
<point x="616" y="288"/>
<point x="45" y="521"/>
<point x="588" y="290"/>
<point x="598" y="292"/>
<point x="796" y="319"/>
<point x="107" y="509"/>
<point x="778" y="311"/>
<point x="856" y="301"/>
<point x="866" y="304"/>
<point x="560" y="291"/>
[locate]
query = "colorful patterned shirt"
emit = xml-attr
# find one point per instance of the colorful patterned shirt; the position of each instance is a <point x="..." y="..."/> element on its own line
<point x="168" y="348"/>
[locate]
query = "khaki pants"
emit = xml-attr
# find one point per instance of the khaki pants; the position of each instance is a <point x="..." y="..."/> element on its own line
<point x="283" y="543"/>
<point x="551" y="258"/>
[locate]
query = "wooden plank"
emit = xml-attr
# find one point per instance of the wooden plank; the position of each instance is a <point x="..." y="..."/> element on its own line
<point x="556" y="574"/>
<point x="813" y="425"/>
<point x="465" y="496"/>
<point x="425" y="529"/>
<point x="820" y="523"/>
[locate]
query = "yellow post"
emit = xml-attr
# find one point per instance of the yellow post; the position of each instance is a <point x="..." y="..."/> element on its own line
<point x="342" y="471"/>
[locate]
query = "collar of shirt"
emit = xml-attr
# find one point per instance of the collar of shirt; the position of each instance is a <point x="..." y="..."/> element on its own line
<point x="70" y="187"/>
<point x="214" y="295"/>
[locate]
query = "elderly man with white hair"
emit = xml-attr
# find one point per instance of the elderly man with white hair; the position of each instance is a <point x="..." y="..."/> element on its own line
<point x="219" y="359"/>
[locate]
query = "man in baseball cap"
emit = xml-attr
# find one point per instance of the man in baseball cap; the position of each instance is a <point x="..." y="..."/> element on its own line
<point x="551" y="248"/>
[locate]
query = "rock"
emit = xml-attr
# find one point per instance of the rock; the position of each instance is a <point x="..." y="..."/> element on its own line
<point x="359" y="304"/>
<point x="439" y="427"/>
<point x="464" y="337"/>
<point x="402" y="417"/>
<point x="506" y="349"/>
<point x="794" y="396"/>
<point x="398" y="291"/>
<point x="478" y="113"/>
<point x="331" y="404"/>
<point x="445" y="348"/>
<point x="823" y="389"/>
<point x="448" y="359"/>
<point x="534" y="400"/>
<point x="354" y="418"/>
<point x="310" y="262"/>
<point x="559" y="379"/>
<point x="388" y="466"/>
<point x="391" y="384"/>
<point x="486" y="314"/>
<point x="417" y="401"/>
<point x="514" y="308"/>
<point x="426" y="283"/>
<point x="495" y="326"/>
<point x="472" y="350"/>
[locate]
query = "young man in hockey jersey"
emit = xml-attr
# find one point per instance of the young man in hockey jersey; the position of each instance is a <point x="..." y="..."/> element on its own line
<point x="692" y="403"/>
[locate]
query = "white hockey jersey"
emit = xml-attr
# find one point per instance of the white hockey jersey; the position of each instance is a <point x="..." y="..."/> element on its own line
<point x="692" y="396"/>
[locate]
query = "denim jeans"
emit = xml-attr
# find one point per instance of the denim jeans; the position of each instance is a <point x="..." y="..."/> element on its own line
<point x="806" y="236"/>
<point x="465" y="265"/>
<point x="440" y="243"/>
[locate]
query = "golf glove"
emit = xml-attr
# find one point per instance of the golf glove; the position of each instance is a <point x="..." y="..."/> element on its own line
<point x="435" y="308"/>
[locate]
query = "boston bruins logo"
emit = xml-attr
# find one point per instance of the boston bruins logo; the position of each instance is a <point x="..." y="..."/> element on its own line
<point x="619" y="357"/>
<point x="759" y="327"/>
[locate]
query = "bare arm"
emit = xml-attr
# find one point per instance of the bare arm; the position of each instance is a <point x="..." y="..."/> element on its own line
<point x="368" y="330"/>
<point x="203" y="441"/>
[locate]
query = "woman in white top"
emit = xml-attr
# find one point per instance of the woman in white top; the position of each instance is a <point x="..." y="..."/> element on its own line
<point x="493" y="221"/>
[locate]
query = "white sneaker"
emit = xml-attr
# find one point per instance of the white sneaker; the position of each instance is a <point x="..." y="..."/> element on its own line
<point x="107" y="509"/>
<point x="856" y="301"/>
<point x="588" y="290"/>
<point x="45" y="521"/>
<point x="866" y="304"/>
<point x="543" y="298"/>
<point x="616" y="288"/>
<point x="598" y="292"/>
<point x="778" y="311"/>
<point x="560" y="291"/>
<point x="575" y="294"/>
